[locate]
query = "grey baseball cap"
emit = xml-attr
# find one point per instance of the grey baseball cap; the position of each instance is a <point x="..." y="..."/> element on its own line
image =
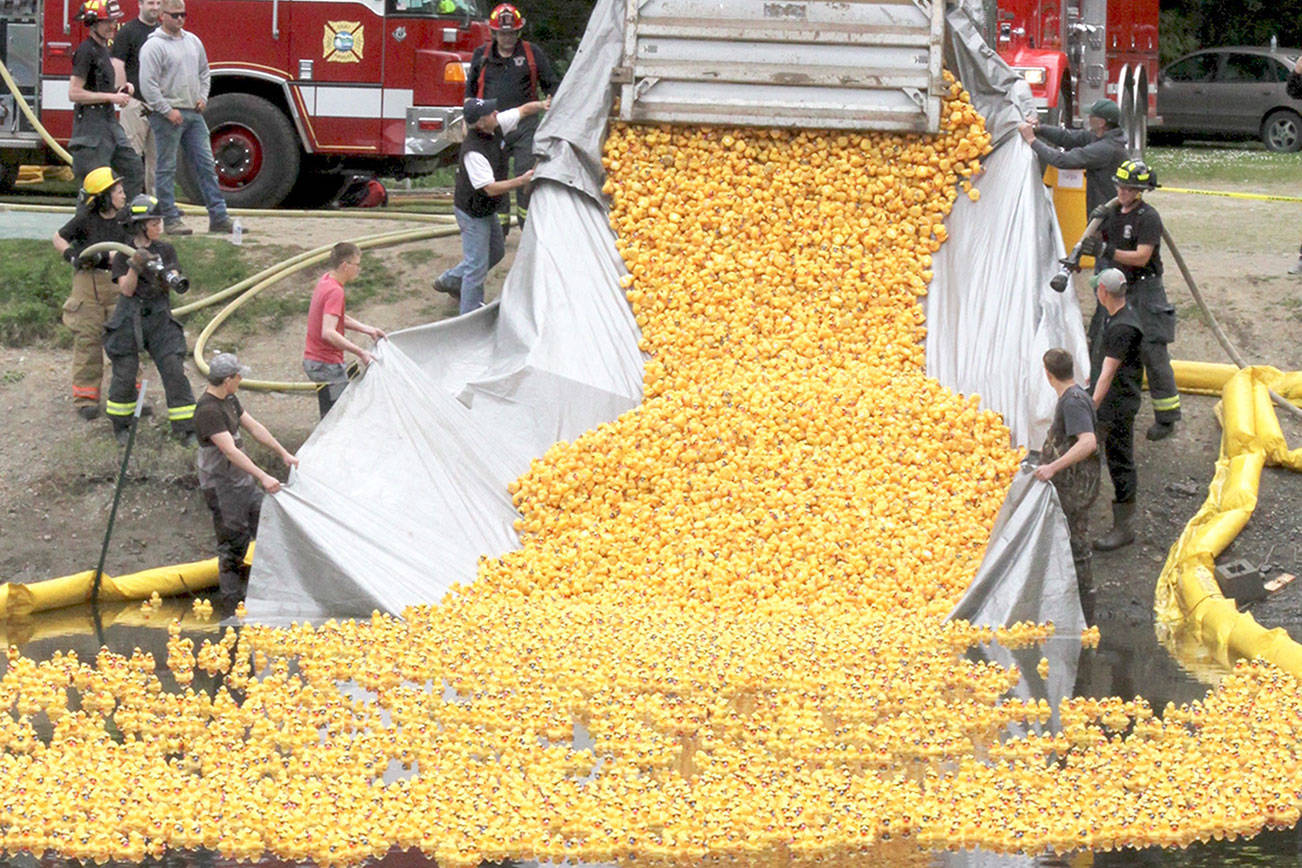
<point x="225" y="365"/>
<point x="1110" y="279"/>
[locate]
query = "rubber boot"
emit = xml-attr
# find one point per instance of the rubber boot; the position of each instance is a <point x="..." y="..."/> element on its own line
<point x="1085" y="585"/>
<point x="1160" y="430"/>
<point x="1123" y="531"/>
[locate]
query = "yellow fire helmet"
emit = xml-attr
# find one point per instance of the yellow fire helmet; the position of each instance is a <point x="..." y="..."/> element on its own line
<point x="99" y="180"/>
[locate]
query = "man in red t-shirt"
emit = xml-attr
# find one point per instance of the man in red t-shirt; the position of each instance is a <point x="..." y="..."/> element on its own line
<point x="323" y="353"/>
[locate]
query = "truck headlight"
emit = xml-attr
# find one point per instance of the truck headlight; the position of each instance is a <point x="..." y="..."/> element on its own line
<point x="1035" y="75"/>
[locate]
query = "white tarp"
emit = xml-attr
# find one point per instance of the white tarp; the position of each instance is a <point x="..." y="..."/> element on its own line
<point x="403" y="486"/>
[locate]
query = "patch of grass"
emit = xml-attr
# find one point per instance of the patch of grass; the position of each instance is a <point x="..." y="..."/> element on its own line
<point x="1240" y="168"/>
<point x="418" y="256"/>
<point x="34" y="281"/>
<point x="94" y="457"/>
<point x="12" y="376"/>
<point x="1292" y="306"/>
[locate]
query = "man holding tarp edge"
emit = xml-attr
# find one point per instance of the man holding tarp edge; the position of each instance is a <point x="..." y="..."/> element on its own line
<point x="1098" y="150"/>
<point x="228" y="478"/>
<point x="1069" y="459"/>
<point x="481" y="187"/>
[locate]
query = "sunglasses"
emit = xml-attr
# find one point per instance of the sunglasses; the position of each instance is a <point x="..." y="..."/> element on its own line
<point x="180" y="15"/>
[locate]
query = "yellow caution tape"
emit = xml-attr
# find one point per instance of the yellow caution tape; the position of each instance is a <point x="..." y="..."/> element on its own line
<point x="1188" y="599"/>
<point x="1262" y="197"/>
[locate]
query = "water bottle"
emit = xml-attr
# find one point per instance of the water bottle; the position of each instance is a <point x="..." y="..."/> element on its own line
<point x="237" y="233"/>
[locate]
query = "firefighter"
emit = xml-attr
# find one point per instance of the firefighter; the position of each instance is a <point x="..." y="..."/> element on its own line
<point x="93" y="291"/>
<point x="512" y="71"/>
<point x="143" y="321"/>
<point x="1131" y="240"/>
<point x="95" y="92"/>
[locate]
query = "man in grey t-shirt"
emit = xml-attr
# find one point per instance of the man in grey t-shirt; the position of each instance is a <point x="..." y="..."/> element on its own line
<point x="1070" y="460"/>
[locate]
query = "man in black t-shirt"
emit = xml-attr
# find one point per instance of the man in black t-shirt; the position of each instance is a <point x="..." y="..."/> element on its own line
<point x="1070" y="460"/>
<point x="126" y="50"/>
<point x="512" y="71"/>
<point x="1116" y="375"/>
<point x="95" y="91"/>
<point x="1132" y="242"/>
<point x="228" y="478"/>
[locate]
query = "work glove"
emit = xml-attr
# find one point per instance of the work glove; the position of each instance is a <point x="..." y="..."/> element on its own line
<point x="1100" y="212"/>
<point x="1090" y="246"/>
<point x="141" y="259"/>
<point x="70" y="255"/>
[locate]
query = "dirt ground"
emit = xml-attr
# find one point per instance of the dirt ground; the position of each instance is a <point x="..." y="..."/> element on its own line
<point x="57" y="472"/>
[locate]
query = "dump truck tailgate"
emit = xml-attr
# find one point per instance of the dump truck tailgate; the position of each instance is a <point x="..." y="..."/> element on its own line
<point x="837" y="65"/>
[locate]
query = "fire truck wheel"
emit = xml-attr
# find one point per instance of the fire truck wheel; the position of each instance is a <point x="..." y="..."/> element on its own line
<point x="1282" y="131"/>
<point x="255" y="149"/>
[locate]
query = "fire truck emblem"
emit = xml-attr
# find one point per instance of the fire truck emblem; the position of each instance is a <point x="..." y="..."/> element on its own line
<point x="343" y="42"/>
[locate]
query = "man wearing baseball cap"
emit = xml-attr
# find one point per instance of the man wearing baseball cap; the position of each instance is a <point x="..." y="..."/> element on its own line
<point x="481" y="188"/>
<point x="1098" y="150"/>
<point x="228" y="478"/>
<point x="1116" y="377"/>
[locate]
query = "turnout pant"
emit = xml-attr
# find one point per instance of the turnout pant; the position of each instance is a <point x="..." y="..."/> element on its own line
<point x="519" y="151"/>
<point x="1157" y="319"/>
<point x="1117" y="427"/>
<point x="235" y="510"/>
<point x="88" y="308"/>
<point x="162" y="337"/>
<point x="99" y="140"/>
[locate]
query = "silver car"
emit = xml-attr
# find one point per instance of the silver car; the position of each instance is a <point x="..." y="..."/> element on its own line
<point x="1231" y="92"/>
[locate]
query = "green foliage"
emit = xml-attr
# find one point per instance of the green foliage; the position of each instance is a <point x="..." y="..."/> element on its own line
<point x="1187" y="25"/>
<point x="34" y="281"/>
<point x="1177" y="34"/>
<point x="557" y="25"/>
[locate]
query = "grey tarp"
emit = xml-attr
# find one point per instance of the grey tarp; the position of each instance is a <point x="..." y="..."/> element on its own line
<point x="403" y="486"/>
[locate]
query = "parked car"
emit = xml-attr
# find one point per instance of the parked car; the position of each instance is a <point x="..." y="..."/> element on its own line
<point x="1231" y="92"/>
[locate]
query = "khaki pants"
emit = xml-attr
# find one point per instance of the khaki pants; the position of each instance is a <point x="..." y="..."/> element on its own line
<point x="136" y="125"/>
<point x="90" y="305"/>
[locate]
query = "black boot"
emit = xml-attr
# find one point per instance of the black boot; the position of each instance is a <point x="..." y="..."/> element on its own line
<point x="1085" y="585"/>
<point x="1123" y="532"/>
<point x="1160" y="430"/>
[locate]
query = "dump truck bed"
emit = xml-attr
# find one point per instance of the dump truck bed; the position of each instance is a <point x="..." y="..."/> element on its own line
<point x="838" y="65"/>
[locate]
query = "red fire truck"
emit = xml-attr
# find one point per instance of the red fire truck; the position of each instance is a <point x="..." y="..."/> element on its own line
<point x="301" y="89"/>
<point x="1073" y="52"/>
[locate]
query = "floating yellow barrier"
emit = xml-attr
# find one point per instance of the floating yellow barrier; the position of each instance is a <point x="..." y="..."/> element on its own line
<point x="19" y="600"/>
<point x="1188" y="596"/>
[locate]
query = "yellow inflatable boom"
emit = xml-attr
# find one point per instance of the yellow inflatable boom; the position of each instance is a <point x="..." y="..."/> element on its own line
<point x="1188" y="596"/>
<point x="18" y="600"/>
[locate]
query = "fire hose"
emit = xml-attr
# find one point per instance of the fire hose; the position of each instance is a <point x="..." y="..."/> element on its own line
<point x="1071" y="263"/>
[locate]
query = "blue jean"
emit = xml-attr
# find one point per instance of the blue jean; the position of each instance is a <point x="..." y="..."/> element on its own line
<point x="482" y="246"/>
<point x="191" y="136"/>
